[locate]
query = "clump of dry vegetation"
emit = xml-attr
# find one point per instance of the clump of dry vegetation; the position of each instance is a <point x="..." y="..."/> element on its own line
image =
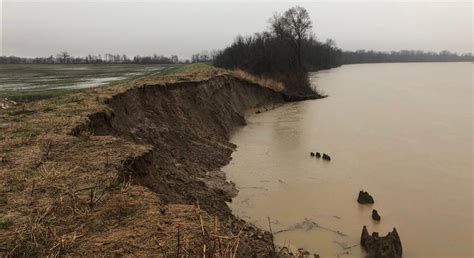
<point x="68" y="193"/>
<point x="263" y="81"/>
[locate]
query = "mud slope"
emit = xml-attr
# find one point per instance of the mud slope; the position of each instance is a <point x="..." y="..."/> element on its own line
<point x="188" y="125"/>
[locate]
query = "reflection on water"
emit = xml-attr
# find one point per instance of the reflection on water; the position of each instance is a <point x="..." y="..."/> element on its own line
<point x="403" y="132"/>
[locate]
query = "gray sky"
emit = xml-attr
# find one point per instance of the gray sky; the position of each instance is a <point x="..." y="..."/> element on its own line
<point x="43" y="28"/>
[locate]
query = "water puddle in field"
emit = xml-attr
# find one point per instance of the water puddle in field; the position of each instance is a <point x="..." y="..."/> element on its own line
<point x="59" y="77"/>
<point x="90" y="83"/>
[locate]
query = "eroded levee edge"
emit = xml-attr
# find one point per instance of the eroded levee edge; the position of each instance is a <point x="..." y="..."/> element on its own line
<point x="187" y="125"/>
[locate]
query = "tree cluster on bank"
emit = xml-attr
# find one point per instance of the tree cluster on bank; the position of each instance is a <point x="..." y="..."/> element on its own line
<point x="279" y="53"/>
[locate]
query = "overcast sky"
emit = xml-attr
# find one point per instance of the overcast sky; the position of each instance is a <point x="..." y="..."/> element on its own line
<point x="43" y="28"/>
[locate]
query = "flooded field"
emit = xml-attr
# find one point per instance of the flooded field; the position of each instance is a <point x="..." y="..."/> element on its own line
<point x="402" y="132"/>
<point x="18" y="80"/>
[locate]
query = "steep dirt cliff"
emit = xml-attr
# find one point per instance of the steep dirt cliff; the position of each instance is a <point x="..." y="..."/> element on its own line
<point x="188" y="124"/>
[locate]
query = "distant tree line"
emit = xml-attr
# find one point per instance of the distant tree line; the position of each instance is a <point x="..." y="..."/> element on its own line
<point x="327" y="55"/>
<point x="261" y="53"/>
<point x="403" y="56"/>
<point x="204" y="57"/>
<point x="66" y="58"/>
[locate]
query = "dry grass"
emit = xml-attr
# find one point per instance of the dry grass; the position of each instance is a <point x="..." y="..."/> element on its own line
<point x="265" y="82"/>
<point x="63" y="194"/>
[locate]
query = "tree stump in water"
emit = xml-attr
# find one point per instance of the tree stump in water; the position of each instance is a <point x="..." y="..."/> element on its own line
<point x="365" y="198"/>
<point x="375" y="215"/>
<point x="389" y="246"/>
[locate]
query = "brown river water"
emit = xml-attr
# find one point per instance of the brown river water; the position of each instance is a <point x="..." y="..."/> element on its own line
<point x="402" y="132"/>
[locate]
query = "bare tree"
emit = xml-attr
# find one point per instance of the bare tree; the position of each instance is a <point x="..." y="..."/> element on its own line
<point x="125" y="59"/>
<point x="63" y="57"/>
<point x="294" y="26"/>
<point x="331" y="43"/>
<point x="202" y="57"/>
<point x="174" y="59"/>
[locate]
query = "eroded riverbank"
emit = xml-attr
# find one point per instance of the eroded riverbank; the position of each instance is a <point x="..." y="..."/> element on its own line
<point x="132" y="170"/>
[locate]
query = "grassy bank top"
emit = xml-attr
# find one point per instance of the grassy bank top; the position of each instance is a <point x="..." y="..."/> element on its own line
<point x="25" y="124"/>
<point x="68" y="108"/>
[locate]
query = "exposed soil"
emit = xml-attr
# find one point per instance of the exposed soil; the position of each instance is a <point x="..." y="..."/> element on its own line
<point x="188" y="126"/>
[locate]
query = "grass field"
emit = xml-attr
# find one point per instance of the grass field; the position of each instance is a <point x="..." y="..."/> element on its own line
<point x="26" y="82"/>
<point x="190" y="68"/>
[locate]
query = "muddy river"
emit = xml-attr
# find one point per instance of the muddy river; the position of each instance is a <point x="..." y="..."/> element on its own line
<point x="402" y="132"/>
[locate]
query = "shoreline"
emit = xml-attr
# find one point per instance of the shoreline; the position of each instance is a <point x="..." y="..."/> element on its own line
<point x="150" y="154"/>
